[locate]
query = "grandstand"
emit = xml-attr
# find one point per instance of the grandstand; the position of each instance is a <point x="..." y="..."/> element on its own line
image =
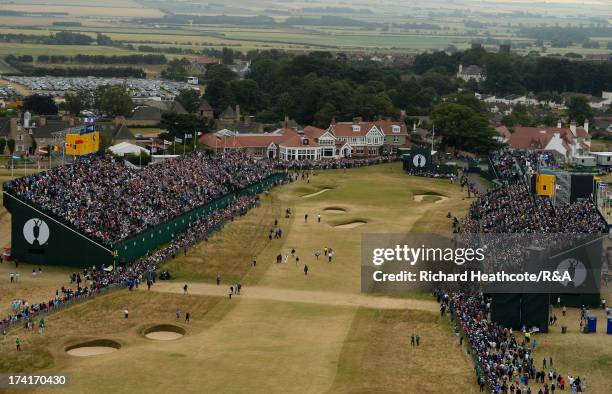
<point x="99" y="208"/>
<point x="535" y="231"/>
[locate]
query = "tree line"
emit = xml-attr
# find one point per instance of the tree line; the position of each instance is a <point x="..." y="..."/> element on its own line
<point x="103" y="59"/>
<point x="513" y="74"/>
<point x="103" y="72"/>
<point x="59" y="38"/>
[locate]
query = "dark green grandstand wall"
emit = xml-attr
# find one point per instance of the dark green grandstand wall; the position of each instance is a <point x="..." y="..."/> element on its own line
<point x="148" y="241"/>
<point x="518" y="310"/>
<point x="52" y="243"/>
<point x="67" y="247"/>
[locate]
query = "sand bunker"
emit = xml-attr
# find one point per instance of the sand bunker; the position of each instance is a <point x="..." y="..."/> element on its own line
<point x="354" y="224"/>
<point x="420" y="197"/>
<point x="164" y="335"/>
<point x="93" y="348"/>
<point x="315" y="194"/>
<point x="334" y="210"/>
<point x="90" y="351"/>
<point x="164" y="332"/>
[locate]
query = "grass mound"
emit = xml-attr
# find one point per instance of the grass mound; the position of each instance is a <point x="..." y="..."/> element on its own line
<point x="96" y="343"/>
<point x="335" y="209"/>
<point x="93" y="348"/>
<point x="165" y="327"/>
<point x="351" y="224"/>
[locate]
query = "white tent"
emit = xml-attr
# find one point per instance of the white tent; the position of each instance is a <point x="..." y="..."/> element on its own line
<point x="125" y="148"/>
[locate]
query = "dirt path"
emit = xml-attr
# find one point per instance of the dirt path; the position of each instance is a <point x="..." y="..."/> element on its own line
<point x="313" y="297"/>
<point x="315" y="194"/>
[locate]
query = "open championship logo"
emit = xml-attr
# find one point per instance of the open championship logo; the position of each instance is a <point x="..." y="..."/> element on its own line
<point x="576" y="270"/>
<point x="419" y="160"/>
<point x="36" y="232"/>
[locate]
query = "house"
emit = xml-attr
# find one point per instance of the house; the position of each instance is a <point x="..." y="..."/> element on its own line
<point x="503" y="134"/>
<point x="8" y="128"/>
<point x="149" y="112"/>
<point x="241" y="68"/>
<point x="603" y="123"/>
<point x="339" y="140"/>
<point x="471" y="72"/>
<point x="370" y="138"/>
<point x="232" y="119"/>
<point x="50" y="131"/>
<point x="205" y="110"/>
<point x="565" y="143"/>
<point x="201" y="63"/>
<point x="284" y="144"/>
<point x="116" y="131"/>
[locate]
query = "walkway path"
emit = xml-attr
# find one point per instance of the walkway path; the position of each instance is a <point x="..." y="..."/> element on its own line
<point x="305" y="296"/>
<point x="478" y="183"/>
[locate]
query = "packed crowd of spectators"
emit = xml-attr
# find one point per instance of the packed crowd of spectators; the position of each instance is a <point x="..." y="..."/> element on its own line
<point x="507" y="220"/>
<point x="94" y="280"/>
<point x="506" y="364"/>
<point x="509" y="166"/>
<point x="324" y="164"/>
<point x="110" y="202"/>
<point x="514" y="209"/>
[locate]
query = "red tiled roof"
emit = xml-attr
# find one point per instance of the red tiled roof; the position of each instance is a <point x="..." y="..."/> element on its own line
<point x="503" y="131"/>
<point x="285" y="137"/>
<point x="345" y="129"/>
<point x="538" y="138"/>
<point x="294" y="140"/>
<point x="313" y="132"/>
<point x="241" y="141"/>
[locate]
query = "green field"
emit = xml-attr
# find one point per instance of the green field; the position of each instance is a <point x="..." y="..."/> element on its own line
<point x="287" y="332"/>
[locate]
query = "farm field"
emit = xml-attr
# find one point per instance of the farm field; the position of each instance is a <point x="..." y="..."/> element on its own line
<point x="115" y="9"/>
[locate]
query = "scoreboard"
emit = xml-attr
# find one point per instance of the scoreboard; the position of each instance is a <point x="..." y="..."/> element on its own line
<point x="83" y="142"/>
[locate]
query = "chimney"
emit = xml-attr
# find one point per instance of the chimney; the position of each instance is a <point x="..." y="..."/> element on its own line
<point x="119" y="120"/>
<point x="414" y="126"/>
<point x="402" y="115"/>
<point x="42" y="121"/>
<point x="247" y="120"/>
<point x="238" y="112"/>
<point x="388" y="119"/>
<point x="559" y="125"/>
<point x="573" y="127"/>
<point x="586" y="125"/>
<point x="27" y="117"/>
<point x="460" y="68"/>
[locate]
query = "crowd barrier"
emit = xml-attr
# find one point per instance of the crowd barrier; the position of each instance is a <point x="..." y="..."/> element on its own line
<point x="55" y="307"/>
